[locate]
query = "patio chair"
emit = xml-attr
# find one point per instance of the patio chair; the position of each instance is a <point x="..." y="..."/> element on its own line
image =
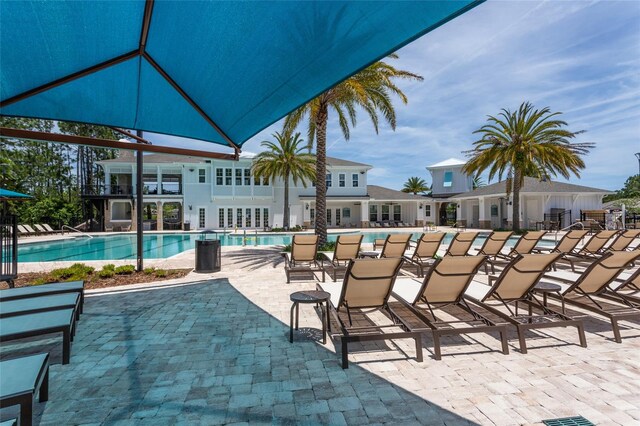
<point x="395" y="245"/>
<point x="624" y="240"/>
<point x="41" y="229"/>
<point x="594" y="290"/>
<point x="461" y="243"/>
<point x="444" y="286"/>
<point x="426" y="250"/>
<point x="41" y="324"/>
<point x="30" y="230"/>
<point x="567" y="244"/>
<point x="33" y="305"/>
<point x="367" y="286"/>
<point x="525" y="244"/>
<point x="492" y="248"/>
<point x="45" y="290"/>
<point x="50" y="229"/>
<point x="347" y="248"/>
<point x="303" y="256"/>
<point x="628" y="285"/>
<point x="20" y="380"/>
<point x="591" y="250"/>
<point x="378" y="242"/>
<point x="514" y="286"/>
<point x="22" y="231"/>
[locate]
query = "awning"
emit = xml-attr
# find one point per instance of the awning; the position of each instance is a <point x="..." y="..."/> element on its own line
<point x="214" y="71"/>
<point x="5" y="194"/>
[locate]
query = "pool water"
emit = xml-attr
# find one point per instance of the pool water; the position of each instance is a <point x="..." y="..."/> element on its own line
<point x="156" y="246"/>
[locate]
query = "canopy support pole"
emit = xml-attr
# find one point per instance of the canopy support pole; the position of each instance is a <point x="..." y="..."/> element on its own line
<point x="139" y="230"/>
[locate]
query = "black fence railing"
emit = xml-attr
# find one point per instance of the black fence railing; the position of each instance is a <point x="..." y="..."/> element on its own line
<point x="598" y="216"/>
<point x="8" y="248"/>
<point x="558" y="219"/>
<point x="102" y="190"/>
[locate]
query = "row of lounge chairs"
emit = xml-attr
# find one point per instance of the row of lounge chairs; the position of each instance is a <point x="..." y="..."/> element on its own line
<point x="35" y="311"/>
<point x="452" y="282"/>
<point x="390" y="224"/>
<point x="40" y="229"/>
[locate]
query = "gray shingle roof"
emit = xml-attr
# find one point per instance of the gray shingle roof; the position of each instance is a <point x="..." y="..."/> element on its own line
<point x="338" y="162"/>
<point x="531" y="185"/>
<point x="381" y="193"/>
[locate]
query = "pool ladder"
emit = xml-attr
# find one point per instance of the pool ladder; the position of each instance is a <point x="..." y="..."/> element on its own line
<point x="76" y="230"/>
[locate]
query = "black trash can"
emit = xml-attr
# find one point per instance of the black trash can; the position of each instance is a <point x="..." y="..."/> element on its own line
<point x="187" y="226"/>
<point x="208" y="253"/>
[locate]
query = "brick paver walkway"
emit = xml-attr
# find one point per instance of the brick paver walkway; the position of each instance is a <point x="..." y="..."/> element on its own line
<point x="218" y="352"/>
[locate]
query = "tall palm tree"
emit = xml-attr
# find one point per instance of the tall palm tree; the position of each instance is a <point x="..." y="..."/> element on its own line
<point x="415" y="185"/>
<point x="286" y="159"/>
<point x="526" y="142"/>
<point x="371" y="90"/>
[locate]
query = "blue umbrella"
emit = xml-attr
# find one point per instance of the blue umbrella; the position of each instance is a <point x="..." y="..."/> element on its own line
<point x="214" y="71"/>
<point x="5" y="194"/>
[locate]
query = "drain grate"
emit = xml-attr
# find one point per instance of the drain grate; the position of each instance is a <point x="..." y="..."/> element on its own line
<point x="568" y="421"/>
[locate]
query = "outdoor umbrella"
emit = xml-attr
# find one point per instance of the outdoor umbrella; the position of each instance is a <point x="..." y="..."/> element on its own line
<point x="5" y="194"/>
<point x="214" y="71"/>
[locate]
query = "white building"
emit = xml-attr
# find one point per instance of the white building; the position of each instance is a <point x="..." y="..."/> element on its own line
<point x="540" y="201"/>
<point x="224" y="194"/>
<point x="448" y="180"/>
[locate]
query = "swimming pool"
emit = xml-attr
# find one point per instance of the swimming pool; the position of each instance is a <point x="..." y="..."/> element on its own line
<point x="155" y="246"/>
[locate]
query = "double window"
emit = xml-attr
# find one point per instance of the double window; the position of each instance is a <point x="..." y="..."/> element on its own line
<point x="448" y="179"/>
<point x="373" y="213"/>
<point x="342" y="180"/>
<point x="328" y="180"/>
<point x="354" y="180"/>
<point x="397" y="213"/>
<point x="385" y="212"/>
<point x="202" y="175"/>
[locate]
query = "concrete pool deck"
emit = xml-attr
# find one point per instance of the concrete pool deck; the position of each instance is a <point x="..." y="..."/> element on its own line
<point x="214" y="349"/>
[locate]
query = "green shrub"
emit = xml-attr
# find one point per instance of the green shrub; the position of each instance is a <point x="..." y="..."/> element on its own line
<point x="161" y="273"/>
<point x="75" y="272"/>
<point x="125" y="270"/>
<point x="328" y="246"/>
<point x="40" y="281"/>
<point x="106" y="273"/>
<point x="149" y="271"/>
<point x="109" y="267"/>
<point x="287" y="248"/>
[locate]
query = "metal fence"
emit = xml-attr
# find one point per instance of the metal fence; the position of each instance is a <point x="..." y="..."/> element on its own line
<point x="8" y="248"/>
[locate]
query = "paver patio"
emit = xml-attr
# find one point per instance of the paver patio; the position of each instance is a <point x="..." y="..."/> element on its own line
<point x="216" y="350"/>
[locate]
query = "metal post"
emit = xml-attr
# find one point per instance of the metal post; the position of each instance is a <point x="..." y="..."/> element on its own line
<point x="139" y="233"/>
<point x="638" y="157"/>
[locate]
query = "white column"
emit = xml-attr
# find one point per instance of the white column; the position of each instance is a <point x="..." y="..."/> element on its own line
<point x="364" y="214"/>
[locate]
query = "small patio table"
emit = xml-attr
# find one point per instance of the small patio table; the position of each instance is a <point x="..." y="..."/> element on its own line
<point x="311" y="296"/>
<point x="370" y="254"/>
<point x="546" y="288"/>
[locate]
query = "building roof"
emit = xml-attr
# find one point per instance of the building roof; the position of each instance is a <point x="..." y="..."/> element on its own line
<point x="531" y="185"/>
<point x="451" y="162"/>
<point x="128" y="157"/>
<point x="381" y="193"/>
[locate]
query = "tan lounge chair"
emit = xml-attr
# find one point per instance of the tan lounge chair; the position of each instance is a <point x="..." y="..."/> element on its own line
<point x="513" y="287"/>
<point x="444" y="286"/>
<point x="347" y="248"/>
<point x="426" y="250"/>
<point x="525" y="244"/>
<point x="41" y="229"/>
<point x="50" y="229"/>
<point x="461" y="243"/>
<point x="624" y="240"/>
<point x="492" y="248"/>
<point x="395" y="245"/>
<point x="367" y="286"/>
<point x="30" y="230"/>
<point x="302" y="259"/>
<point x="592" y="290"/>
<point x="592" y="250"/>
<point x="566" y="246"/>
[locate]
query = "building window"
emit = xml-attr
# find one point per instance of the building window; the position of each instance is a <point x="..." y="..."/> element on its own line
<point x="228" y="177"/>
<point x="230" y="218"/>
<point x="342" y="180"/>
<point x="312" y="215"/>
<point x="265" y="218"/>
<point x="427" y="210"/>
<point x="239" y="218"/>
<point x="385" y="212"/>
<point x="346" y="213"/>
<point x="338" y="217"/>
<point x="202" y="176"/>
<point x="247" y="218"/>
<point x="265" y="181"/>
<point x="202" y="216"/>
<point x="328" y="216"/>
<point x="328" y="180"/>
<point x="397" y="213"/>
<point x="448" y="179"/>
<point x="219" y="177"/>
<point x="221" y="218"/>
<point x="257" y="217"/>
<point x="354" y="180"/>
<point x="247" y="177"/>
<point x="238" y="177"/>
<point x="373" y="213"/>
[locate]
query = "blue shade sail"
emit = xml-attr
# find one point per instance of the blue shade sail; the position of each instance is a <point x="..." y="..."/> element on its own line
<point x="215" y="71"/>
<point x="7" y="194"/>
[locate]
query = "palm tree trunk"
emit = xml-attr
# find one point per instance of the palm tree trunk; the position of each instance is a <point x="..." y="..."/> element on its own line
<point x="321" y="173"/>
<point x="285" y="220"/>
<point x="515" y="215"/>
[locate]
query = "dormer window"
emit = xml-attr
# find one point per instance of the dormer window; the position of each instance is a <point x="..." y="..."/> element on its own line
<point x="448" y="180"/>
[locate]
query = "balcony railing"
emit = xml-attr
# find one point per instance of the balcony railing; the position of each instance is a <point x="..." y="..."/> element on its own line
<point x="102" y="190"/>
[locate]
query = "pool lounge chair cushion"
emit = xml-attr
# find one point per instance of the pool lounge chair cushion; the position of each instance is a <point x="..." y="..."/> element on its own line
<point x="40" y="324"/>
<point x="45" y="290"/>
<point x="20" y="379"/>
<point x="32" y="305"/>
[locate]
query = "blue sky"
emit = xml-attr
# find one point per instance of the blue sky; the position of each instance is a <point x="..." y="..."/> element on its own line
<point x="579" y="58"/>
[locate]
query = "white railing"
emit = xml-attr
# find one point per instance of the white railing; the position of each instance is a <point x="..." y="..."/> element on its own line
<point x="71" y="228"/>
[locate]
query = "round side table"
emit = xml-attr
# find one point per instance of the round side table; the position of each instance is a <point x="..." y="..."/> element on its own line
<point x="320" y="298"/>
<point x="369" y="254"/>
<point x="546" y="288"/>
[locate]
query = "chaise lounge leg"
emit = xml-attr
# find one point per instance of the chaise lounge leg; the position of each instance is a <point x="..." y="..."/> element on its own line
<point x="345" y="353"/>
<point x="503" y="338"/>
<point x="44" y="387"/>
<point x="523" y="342"/>
<point x="583" y="338"/>
<point x="616" y="330"/>
<point x="418" y="340"/>
<point x="66" y="346"/>
<point x="436" y="346"/>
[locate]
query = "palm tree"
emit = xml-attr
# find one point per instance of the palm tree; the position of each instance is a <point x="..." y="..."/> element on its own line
<point x="415" y="185"/>
<point x="526" y="142"/>
<point x="371" y="90"/>
<point x="478" y="182"/>
<point x="285" y="159"/>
